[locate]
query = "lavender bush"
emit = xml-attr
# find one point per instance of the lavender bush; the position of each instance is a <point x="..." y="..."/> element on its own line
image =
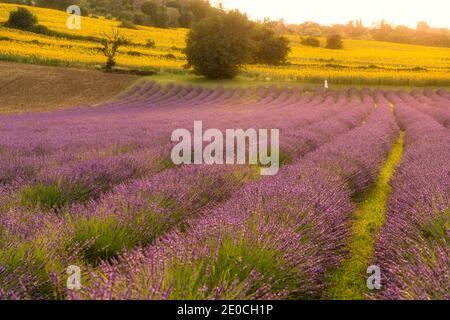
<point x="95" y="187"/>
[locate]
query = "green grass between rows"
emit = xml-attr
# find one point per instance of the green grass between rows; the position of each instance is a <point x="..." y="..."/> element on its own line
<point x="349" y="280"/>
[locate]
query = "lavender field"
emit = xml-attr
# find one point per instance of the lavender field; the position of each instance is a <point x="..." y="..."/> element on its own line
<point x="95" y="187"/>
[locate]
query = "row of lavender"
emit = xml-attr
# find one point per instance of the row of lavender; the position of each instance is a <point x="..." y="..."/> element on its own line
<point x="92" y="150"/>
<point x="276" y="238"/>
<point x="76" y="140"/>
<point x="200" y="185"/>
<point x="171" y="197"/>
<point x="136" y="213"/>
<point x="141" y="211"/>
<point x="87" y="173"/>
<point x="432" y="104"/>
<point x="413" y="249"/>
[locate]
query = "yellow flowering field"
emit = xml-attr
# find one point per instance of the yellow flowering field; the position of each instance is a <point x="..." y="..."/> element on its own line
<point x="56" y="20"/>
<point x="360" y="62"/>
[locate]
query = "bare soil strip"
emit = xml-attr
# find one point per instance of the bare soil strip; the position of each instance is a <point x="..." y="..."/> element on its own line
<point x="30" y="88"/>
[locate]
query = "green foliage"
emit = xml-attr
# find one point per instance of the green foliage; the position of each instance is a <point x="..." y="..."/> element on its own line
<point x="101" y="238"/>
<point x="347" y="282"/>
<point x="110" y="46"/>
<point x="158" y="14"/>
<point x="31" y="259"/>
<point x="55" y="4"/>
<point x="191" y="11"/>
<point x="140" y="19"/>
<point x="232" y="268"/>
<point x="173" y="15"/>
<point x="186" y="19"/>
<point x="176" y="13"/>
<point x="22" y="19"/>
<point x="170" y="56"/>
<point x="219" y="45"/>
<point x="335" y="42"/>
<point x="174" y="4"/>
<point x="24" y="2"/>
<point x="150" y="43"/>
<point x="149" y="8"/>
<point x="53" y="196"/>
<point x="127" y="25"/>
<point x="44" y="196"/>
<point x="438" y="228"/>
<point x="200" y="9"/>
<point x="285" y="158"/>
<point x="270" y="48"/>
<point x="43" y="30"/>
<point x="310" y="41"/>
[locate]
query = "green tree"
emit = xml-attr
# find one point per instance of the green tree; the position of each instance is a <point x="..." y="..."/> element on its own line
<point x="199" y="8"/>
<point x="55" y="4"/>
<point x="310" y="41"/>
<point x="161" y="18"/>
<point x="186" y="19"/>
<point x="173" y="16"/>
<point x="158" y="15"/>
<point x="149" y="8"/>
<point x="270" y="48"/>
<point x="174" y="4"/>
<point x="110" y="46"/>
<point x="22" y="19"/>
<point x="219" y="45"/>
<point x="335" y="42"/>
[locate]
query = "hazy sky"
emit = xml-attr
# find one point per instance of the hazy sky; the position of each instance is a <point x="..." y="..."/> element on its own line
<point x="406" y="12"/>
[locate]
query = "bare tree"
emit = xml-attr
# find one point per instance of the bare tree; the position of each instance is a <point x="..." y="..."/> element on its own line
<point x="110" y="45"/>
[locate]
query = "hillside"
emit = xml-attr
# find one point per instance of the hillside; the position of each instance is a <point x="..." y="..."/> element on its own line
<point x="361" y="62"/>
<point x="29" y="88"/>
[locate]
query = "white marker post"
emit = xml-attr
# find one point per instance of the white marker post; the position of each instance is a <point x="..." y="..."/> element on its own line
<point x="326" y="84"/>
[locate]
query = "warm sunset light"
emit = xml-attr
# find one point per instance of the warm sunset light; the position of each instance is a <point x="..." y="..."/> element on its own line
<point x="230" y="159"/>
<point x="406" y="12"/>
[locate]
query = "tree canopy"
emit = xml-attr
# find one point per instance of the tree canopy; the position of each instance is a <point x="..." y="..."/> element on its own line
<point x="219" y="45"/>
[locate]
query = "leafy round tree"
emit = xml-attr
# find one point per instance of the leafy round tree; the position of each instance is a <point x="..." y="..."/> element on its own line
<point x="335" y="42"/>
<point x="219" y="45"/>
<point x="149" y="8"/>
<point x="55" y="4"/>
<point x="270" y="48"/>
<point x="158" y="14"/>
<point x="186" y="19"/>
<point x="21" y="19"/>
<point x="199" y="8"/>
<point x="310" y="41"/>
